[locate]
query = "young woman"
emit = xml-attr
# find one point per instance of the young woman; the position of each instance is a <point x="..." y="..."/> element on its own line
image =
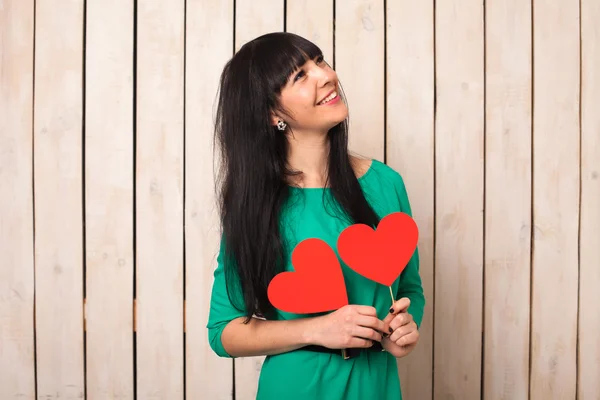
<point x="288" y="176"/>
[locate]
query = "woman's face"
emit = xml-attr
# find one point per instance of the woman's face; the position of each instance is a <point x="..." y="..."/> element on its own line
<point x="312" y="99"/>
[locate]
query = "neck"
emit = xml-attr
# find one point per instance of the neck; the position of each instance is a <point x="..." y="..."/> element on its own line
<point x="308" y="154"/>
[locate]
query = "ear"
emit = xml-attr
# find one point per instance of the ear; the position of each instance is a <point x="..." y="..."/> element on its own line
<point x="274" y="119"/>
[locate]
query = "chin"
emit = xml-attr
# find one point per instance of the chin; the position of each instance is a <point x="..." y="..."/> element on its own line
<point x="340" y="117"/>
<point x="332" y="125"/>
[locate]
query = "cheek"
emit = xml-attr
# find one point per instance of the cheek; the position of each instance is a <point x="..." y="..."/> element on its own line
<point x="301" y="103"/>
<point x="306" y="98"/>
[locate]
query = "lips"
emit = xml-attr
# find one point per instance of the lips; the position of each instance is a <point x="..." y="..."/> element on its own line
<point x="330" y="96"/>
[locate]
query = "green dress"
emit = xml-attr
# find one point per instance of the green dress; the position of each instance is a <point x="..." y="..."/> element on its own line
<point x="309" y="375"/>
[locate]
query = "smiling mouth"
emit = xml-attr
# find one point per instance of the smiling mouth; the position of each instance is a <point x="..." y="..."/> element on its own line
<point x="332" y="96"/>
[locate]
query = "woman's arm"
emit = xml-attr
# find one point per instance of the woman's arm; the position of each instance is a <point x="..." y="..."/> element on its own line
<point x="352" y="326"/>
<point x="261" y="337"/>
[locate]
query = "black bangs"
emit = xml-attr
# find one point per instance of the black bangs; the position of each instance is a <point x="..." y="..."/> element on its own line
<point x="278" y="55"/>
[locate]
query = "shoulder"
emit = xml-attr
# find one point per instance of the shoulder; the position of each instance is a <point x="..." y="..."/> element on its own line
<point x="360" y="165"/>
<point x="385" y="188"/>
<point x="367" y="169"/>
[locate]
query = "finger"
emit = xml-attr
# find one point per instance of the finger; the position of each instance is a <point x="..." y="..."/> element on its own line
<point x="401" y="320"/>
<point x="408" y="339"/>
<point x="366" y="333"/>
<point x="405" y="335"/>
<point x="370" y="322"/>
<point x="366" y="310"/>
<point x="400" y="305"/>
<point x="397" y="320"/>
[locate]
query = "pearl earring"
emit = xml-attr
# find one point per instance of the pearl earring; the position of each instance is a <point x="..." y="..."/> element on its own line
<point x="281" y="125"/>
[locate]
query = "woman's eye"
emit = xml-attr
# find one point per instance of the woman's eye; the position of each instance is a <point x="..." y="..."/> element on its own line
<point x="299" y="75"/>
<point x="319" y="59"/>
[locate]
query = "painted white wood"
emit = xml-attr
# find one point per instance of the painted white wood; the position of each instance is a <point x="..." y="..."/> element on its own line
<point x="589" y="268"/>
<point x="555" y="199"/>
<point x="17" y="376"/>
<point x="359" y="62"/>
<point x="109" y="195"/>
<point x="41" y="135"/>
<point x="507" y="200"/>
<point x="257" y="17"/>
<point x="209" y="36"/>
<point x="410" y="150"/>
<point x="459" y="200"/>
<point x="313" y="20"/>
<point x="159" y="199"/>
<point x="58" y="205"/>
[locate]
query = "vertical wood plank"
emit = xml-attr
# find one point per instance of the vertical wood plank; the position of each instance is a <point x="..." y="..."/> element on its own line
<point x="257" y="17"/>
<point x="589" y="279"/>
<point x="313" y="20"/>
<point x="159" y="199"/>
<point x="58" y="114"/>
<point x="359" y="62"/>
<point x="209" y="36"/>
<point x="109" y="198"/>
<point x="410" y="150"/>
<point x="459" y="200"/>
<point x="507" y="199"/>
<point x="555" y="199"/>
<point x="17" y="379"/>
<point x="252" y="19"/>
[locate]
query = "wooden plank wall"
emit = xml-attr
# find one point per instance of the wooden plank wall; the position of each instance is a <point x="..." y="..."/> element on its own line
<point x="508" y="80"/>
<point x="58" y="203"/>
<point x="109" y="231"/>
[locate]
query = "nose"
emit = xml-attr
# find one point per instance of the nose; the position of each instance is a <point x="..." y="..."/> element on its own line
<point x="322" y="75"/>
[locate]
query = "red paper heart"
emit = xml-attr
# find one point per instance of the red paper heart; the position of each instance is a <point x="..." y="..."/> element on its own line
<point x="317" y="285"/>
<point x="383" y="254"/>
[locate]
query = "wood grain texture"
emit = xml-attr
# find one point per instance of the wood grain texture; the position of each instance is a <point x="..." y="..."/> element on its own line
<point x="459" y="200"/>
<point x="58" y="205"/>
<point x="313" y="20"/>
<point x="410" y="150"/>
<point x="359" y="62"/>
<point x="17" y="379"/>
<point x="589" y="268"/>
<point x="478" y="202"/>
<point x="209" y="36"/>
<point x="109" y="198"/>
<point x="555" y="199"/>
<point x="254" y="18"/>
<point x="159" y="200"/>
<point x="507" y="199"/>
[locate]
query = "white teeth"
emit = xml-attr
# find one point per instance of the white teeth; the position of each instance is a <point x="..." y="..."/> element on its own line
<point x="328" y="98"/>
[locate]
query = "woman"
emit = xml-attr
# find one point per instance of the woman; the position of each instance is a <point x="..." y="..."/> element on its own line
<point x="282" y="130"/>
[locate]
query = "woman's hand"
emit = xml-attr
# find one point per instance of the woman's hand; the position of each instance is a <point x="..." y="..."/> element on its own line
<point x="404" y="334"/>
<point x="352" y="326"/>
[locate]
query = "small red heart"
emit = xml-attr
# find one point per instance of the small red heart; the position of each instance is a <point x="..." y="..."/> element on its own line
<point x="383" y="254"/>
<point x="317" y="285"/>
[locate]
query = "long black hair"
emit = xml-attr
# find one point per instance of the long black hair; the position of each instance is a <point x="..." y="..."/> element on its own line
<point x="254" y="172"/>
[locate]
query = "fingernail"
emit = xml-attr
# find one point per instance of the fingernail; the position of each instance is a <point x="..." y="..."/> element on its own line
<point x="391" y="330"/>
<point x="391" y="310"/>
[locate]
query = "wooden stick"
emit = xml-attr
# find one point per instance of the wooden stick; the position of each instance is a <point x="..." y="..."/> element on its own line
<point x="392" y="294"/>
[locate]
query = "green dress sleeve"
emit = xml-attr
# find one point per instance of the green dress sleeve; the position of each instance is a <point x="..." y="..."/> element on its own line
<point x="410" y="284"/>
<point x="222" y="310"/>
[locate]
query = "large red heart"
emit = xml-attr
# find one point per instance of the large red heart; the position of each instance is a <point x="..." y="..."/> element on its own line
<point x="380" y="255"/>
<point x="317" y="285"/>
